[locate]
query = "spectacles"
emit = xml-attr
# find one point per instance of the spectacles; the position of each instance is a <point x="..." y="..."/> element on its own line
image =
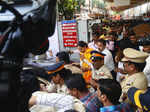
<point x="127" y="63"/>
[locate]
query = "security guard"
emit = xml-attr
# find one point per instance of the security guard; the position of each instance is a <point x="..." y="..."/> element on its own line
<point x="140" y="98"/>
<point x="134" y="63"/>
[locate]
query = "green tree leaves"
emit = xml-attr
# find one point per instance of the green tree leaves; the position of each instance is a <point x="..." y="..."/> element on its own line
<point x="67" y="8"/>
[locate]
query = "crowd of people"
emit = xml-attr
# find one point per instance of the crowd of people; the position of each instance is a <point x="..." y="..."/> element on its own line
<point x="113" y="75"/>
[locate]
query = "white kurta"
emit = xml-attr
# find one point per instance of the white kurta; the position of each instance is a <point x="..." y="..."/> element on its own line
<point x="53" y="102"/>
<point x="108" y="59"/>
<point x="60" y="102"/>
<point x="147" y="70"/>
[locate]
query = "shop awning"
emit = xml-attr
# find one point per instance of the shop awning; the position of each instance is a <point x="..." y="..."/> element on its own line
<point x="133" y="3"/>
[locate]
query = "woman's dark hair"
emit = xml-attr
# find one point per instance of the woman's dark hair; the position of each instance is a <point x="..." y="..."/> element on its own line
<point x="63" y="56"/>
<point x="77" y="81"/>
<point x="111" y="88"/>
<point x="102" y="41"/>
<point x="82" y="44"/>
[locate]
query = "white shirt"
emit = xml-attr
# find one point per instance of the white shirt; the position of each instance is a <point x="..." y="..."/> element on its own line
<point x="41" y="108"/>
<point x="108" y="59"/>
<point x="93" y="46"/>
<point x="120" y="65"/>
<point x="147" y="69"/>
<point x="60" y="102"/>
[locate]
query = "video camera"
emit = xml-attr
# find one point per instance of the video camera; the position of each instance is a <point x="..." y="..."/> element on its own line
<point x="26" y="33"/>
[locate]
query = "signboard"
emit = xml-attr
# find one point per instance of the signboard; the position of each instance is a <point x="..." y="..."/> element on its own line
<point x="69" y="32"/>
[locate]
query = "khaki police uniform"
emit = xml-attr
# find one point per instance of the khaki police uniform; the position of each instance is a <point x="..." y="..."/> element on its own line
<point x="73" y="68"/>
<point x="102" y="73"/>
<point x="137" y="80"/>
<point x="56" y="88"/>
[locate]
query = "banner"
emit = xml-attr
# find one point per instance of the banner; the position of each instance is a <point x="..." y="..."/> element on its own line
<point x="69" y="32"/>
<point x="121" y="2"/>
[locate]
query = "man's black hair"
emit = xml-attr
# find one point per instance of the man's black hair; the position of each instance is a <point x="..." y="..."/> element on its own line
<point x="111" y="88"/>
<point x="139" y="66"/>
<point x="64" y="74"/>
<point x="102" y="41"/>
<point x="63" y="56"/>
<point x="82" y="44"/>
<point x="77" y="81"/>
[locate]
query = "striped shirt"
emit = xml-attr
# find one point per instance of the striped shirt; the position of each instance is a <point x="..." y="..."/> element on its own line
<point x="91" y="102"/>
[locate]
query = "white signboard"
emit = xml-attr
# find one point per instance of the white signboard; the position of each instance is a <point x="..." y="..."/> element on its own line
<point x="121" y="2"/>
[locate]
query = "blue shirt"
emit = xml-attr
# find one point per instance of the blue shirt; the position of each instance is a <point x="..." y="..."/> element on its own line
<point x="124" y="107"/>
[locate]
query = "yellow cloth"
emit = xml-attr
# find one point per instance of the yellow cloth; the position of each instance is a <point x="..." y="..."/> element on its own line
<point x="87" y="55"/>
<point x="102" y="37"/>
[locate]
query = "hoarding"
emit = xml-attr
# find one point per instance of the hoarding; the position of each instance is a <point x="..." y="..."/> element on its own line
<point x="69" y="32"/>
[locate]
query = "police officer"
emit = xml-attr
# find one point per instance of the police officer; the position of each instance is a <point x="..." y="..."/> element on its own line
<point x="58" y="75"/>
<point x="99" y="71"/>
<point x="141" y="98"/>
<point x="134" y="63"/>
